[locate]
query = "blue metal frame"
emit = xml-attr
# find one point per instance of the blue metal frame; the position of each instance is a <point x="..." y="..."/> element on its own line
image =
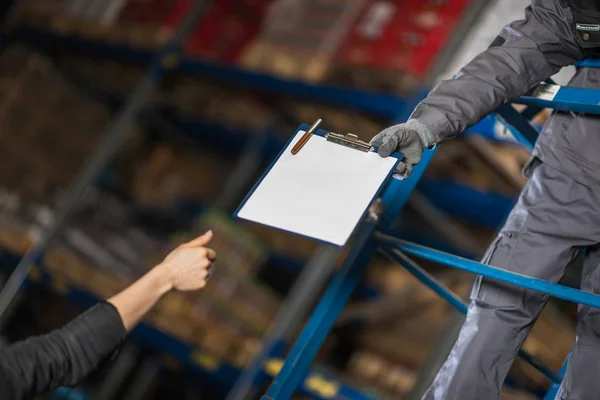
<point x="553" y="391"/>
<point x="469" y="204"/>
<point x="459" y="304"/>
<point x="344" y="283"/>
<point x="522" y="130"/>
<point x="588" y="63"/>
<point x="567" y="99"/>
<point x="513" y="278"/>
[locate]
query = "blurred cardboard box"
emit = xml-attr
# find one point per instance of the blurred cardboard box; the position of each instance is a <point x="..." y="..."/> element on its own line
<point x="169" y="175"/>
<point x="299" y="40"/>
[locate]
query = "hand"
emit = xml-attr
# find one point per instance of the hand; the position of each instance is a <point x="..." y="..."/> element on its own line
<point x="410" y="138"/>
<point x="188" y="266"/>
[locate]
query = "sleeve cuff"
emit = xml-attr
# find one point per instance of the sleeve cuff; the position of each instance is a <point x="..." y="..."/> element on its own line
<point x="98" y="332"/>
<point x="431" y="124"/>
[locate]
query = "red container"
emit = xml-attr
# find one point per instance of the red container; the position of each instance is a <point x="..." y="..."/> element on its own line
<point x="159" y="13"/>
<point x="371" y="32"/>
<point x="406" y="36"/>
<point x="436" y="25"/>
<point x="226" y="29"/>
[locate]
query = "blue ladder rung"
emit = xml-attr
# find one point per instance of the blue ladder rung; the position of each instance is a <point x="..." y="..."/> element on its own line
<point x="513" y="278"/>
<point x="567" y="99"/>
<point x="588" y="63"/>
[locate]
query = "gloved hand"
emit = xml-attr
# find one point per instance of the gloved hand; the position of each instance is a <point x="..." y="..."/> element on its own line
<point x="410" y="138"/>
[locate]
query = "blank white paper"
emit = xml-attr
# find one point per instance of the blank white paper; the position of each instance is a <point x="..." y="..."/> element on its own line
<point x="321" y="192"/>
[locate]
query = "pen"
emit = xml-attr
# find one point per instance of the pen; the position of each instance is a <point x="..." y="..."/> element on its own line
<point x="305" y="137"/>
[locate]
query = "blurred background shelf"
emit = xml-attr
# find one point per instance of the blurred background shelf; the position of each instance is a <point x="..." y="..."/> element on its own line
<point x="376" y="103"/>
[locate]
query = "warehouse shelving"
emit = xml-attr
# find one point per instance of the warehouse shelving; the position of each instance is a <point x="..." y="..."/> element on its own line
<point x="235" y="139"/>
<point x="470" y="204"/>
<point x="386" y="105"/>
<point x="380" y="104"/>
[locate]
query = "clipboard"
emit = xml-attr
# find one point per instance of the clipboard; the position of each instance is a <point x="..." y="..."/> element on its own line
<point x="323" y="192"/>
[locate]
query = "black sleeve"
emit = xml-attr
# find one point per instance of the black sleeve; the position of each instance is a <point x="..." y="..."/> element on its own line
<point x="62" y="357"/>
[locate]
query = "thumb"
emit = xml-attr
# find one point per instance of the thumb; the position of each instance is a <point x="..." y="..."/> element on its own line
<point x="201" y="240"/>
<point x="389" y="146"/>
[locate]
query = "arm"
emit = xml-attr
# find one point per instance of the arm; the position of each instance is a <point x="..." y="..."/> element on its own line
<point x="526" y="52"/>
<point x="529" y="51"/>
<point x="185" y="268"/>
<point x="65" y="356"/>
<point x="62" y="357"/>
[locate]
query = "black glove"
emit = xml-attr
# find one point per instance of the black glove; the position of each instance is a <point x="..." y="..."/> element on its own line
<point x="410" y="138"/>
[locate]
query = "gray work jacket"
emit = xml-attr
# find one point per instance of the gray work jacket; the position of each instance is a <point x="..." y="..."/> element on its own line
<point x="554" y="33"/>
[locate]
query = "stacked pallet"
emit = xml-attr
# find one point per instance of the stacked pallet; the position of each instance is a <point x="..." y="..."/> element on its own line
<point x="373" y="371"/>
<point x="224" y="104"/>
<point x="48" y="127"/>
<point x="146" y="23"/>
<point x="108" y="76"/>
<point x="383" y="45"/>
<point x="170" y="174"/>
<point x="225" y="29"/>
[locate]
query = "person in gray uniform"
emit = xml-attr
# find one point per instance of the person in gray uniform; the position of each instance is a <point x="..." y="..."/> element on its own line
<point x="557" y="214"/>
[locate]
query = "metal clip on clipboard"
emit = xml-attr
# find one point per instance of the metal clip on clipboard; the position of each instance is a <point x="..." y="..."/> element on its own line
<point x="349" y="140"/>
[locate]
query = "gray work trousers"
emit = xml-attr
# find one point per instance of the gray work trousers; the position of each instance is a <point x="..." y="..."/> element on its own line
<point x="554" y="218"/>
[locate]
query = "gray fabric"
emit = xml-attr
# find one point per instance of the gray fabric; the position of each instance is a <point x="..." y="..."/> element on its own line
<point x="583" y="373"/>
<point x="62" y="357"/>
<point x="410" y="138"/>
<point x="555" y="217"/>
<point x="534" y="49"/>
<point x="571" y="141"/>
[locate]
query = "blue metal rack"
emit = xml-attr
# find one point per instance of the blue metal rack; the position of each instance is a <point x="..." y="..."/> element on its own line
<point x="371" y="237"/>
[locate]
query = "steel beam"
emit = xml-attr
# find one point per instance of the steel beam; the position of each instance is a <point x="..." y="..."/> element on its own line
<point x="513" y="278"/>
<point x="567" y="99"/>
<point x="290" y="315"/>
